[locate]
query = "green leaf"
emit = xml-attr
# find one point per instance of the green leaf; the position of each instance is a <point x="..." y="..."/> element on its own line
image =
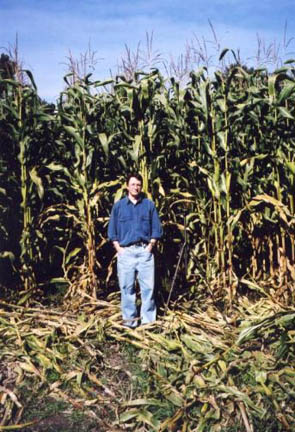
<point x="286" y="92"/>
<point x="223" y="53"/>
<point x="72" y="254"/>
<point x="128" y="415"/>
<point x="285" y="113"/>
<point x="71" y="131"/>
<point x="18" y="426"/>
<point x="291" y="166"/>
<point x="7" y="254"/>
<point x="175" y="398"/>
<point x="24" y="298"/>
<point x="103" y="83"/>
<point x="30" y="75"/>
<point x="58" y="281"/>
<point x="271" y="86"/>
<point x="139" y="402"/>
<point x="261" y="377"/>
<point x="38" y="182"/>
<point x="104" y="142"/>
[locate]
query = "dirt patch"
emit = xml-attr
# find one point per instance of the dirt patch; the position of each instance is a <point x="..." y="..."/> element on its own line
<point x="58" y="422"/>
<point x="52" y="415"/>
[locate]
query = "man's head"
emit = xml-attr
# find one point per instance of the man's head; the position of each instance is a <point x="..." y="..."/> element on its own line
<point x="134" y="185"/>
<point x="135" y="175"/>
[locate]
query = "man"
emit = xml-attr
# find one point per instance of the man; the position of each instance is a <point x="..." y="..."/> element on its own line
<point x="134" y="229"/>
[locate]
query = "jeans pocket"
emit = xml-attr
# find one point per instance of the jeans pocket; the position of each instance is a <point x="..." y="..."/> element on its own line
<point x="148" y="255"/>
<point x="121" y="253"/>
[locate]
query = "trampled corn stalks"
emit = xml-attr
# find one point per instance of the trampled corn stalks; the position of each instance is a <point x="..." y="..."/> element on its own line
<point x="54" y="354"/>
<point x="216" y="373"/>
<point x="202" y="370"/>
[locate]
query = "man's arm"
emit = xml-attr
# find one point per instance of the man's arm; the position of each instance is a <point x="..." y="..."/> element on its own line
<point x="156" y="229"/>
<point x="112" y="229"/>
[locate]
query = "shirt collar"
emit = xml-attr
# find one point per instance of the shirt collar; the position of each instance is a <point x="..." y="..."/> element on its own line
<point x="140" y="198"/>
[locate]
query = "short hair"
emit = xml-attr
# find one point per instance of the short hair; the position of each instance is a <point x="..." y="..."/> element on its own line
<point x="135" y="175"/>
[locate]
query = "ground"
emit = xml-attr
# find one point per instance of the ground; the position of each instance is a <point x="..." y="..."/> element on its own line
<point x="51" y="414"/>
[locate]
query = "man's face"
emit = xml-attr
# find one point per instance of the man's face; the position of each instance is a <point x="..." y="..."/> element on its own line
<point x="134" y="187"/>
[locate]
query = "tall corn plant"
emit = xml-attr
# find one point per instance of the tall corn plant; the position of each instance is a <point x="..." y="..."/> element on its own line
<point x="139" y="104"/>
<point x="209" y="123"/>
<point x="82" y="178"/>
<point x="22" y="119"/>
<point x="281" y="90"/>
<point x="236" y="129"/>
<point x="265" y="174"/>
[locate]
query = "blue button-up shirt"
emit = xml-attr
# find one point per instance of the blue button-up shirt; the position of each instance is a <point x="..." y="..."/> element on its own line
<point x="131" y="223"/>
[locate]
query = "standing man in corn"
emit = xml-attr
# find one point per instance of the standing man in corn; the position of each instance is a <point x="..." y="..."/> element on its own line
<point x="134" y="229"/>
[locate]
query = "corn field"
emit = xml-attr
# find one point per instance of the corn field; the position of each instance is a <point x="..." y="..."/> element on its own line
<point x="217" y="157"/>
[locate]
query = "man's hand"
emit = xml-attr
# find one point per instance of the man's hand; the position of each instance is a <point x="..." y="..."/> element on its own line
<point x="151" y="245"/>
<point x="118" y="248"/>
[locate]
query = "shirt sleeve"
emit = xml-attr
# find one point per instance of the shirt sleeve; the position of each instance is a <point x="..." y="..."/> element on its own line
<point x="112" y="227"/>
<point x="157" y="230"/>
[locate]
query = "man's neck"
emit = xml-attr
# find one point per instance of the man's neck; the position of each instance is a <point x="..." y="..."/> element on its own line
<point x="133" y="199"/>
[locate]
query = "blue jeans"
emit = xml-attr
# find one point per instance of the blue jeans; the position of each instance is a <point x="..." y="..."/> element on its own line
<point x="136" y="260"/>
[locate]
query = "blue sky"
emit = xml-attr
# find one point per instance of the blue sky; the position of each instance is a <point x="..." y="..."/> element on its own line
<point x="48" y="30"/>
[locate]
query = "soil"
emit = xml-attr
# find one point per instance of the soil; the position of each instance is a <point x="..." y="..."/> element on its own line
<point x="52" y="415"/>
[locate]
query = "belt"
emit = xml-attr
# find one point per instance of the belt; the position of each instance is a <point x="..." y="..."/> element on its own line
<point x="139" y="243"/>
